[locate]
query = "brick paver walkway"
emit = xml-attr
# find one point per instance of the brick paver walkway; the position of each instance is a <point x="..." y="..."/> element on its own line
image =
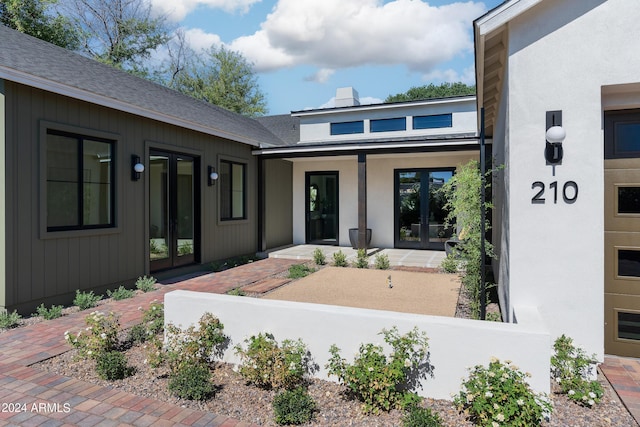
<point x="31" y="397"/>
<point x="624" y="375"/>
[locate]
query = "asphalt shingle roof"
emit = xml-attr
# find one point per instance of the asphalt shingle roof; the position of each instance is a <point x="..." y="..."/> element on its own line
<point x="31" y="61"/>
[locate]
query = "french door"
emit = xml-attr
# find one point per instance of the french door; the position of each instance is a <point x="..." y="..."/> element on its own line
<point x="322" y="207"/>
<point x="419" y="208"/>
<point x="173" y="210"/>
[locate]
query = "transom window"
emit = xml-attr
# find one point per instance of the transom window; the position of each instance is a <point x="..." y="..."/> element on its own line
<point x="389" y="125"/>
<point x="346" y="128"/>
<point x="232" y="190"/>
<point x="433" y="121"/>
<point x="80" y="181"/>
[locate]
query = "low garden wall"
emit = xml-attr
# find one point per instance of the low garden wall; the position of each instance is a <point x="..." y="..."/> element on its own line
<point x="454" y="344"/>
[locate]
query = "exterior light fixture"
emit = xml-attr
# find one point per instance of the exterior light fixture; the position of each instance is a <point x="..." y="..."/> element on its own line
<point x="137" y="167"/>
<point x="212" y="175"/>
<point x="555" y="135"/>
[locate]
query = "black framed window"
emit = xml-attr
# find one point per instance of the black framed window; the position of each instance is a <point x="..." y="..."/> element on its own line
<point x="433" y="122"/>
<point x="232" y="190"/>
<point x="622" y="134"/>
<point x="346" y="128"/>
<point x="80" y="182"/>
<point x="389" y="125"/>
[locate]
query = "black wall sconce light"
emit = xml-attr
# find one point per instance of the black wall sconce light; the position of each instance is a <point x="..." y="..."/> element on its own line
<point x="212" y="175"/>
<point x="137" y="167"/>
<point x="555" y="135"/>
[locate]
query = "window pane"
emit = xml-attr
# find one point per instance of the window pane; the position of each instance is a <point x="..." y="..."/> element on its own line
<point x="629" y="200"/>
<point x="96" y="172"/>
<point x="627" y="138"/>
<point x="628" y="263"/>
<point x="346" y="128"/>
<point x="238" y="191"/>
<point x="432" y="122"/>
<point x="389" y="125"/>
<point x="629" y="326"/>
<point x="62" y="181"/>
<point x="225" y="190"/>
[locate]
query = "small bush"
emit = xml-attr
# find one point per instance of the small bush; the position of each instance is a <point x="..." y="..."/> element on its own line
<point x="362" y="259"/>
<point x="146" y="284"/>
<point x="319" y="257"/>
<point x="417" y="416"/>
<point x="121" y="293"/>
<point x="298" y="271"/>
<point x="85" y="300"/>
<point x="48" y="313"/>
<point x="450" y="264"/>
<point x="137" y="334"/>
<point x="500" y="395"/>
<point x="112" y="365"/>
<point x="192" y="381"/>
<point x="100" y="335"/>
<point x="294" y="407"/>
<point x="383" y="382"/>
<point x="237" y="292"/>
<point x="269" y="365"/>
<point x="340" y="259"/>
<point x="572" y="368"/>
<point x="9" y="320"/>
<point x="382" y="262"/>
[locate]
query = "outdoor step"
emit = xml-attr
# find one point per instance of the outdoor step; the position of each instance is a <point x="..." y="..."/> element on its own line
<point x="266" y="285"/>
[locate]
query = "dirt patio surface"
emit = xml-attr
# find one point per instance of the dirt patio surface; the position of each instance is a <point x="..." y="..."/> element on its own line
<point x="411" y="292"/>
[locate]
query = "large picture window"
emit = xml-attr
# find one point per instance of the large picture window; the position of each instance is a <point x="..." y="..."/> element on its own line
<point x="232" y="190"/>
<point x="80" y="183"/>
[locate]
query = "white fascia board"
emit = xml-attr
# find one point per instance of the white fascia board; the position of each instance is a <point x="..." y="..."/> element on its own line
<point x="389" y="106"/>
<point x="76" y="93"/>
<point x="503" y="14"/>
<point x="365" y="146"/>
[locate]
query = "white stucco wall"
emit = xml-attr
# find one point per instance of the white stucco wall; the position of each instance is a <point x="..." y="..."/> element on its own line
<point x="380" y="190"/>
<point x="561" y="54"/>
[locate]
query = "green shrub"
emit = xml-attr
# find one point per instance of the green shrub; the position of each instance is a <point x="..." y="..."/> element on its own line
<point x="362" y="259"/>
<point x="572" y="368"/>
<point x="195" y="345"/>
<point x="85" y="300"/>
<point x="100" y="335"/>
<point x="237" y="292"/>
<point x="112" y="365"/>
<point x="417" y="416"/>
<point x="294" y="407"/>
<point x="383" y="382"/>
<point x="340" y="259"/>
<point x="192" y="381"/>
<point x="450" y="264"/>
<point x="146" y="284"/>
<point x="500" y="395"/>
<point x="9" y="320"/>
<point x="298" y="271"/>
<point x="121" y="293"/>
<point x="268" y="365"/>
<point x="137" y="334"/>
<point x="153" y="318"/>
<point x="382" y="262"/>
<point x="319" y="257"/>
<point x="48" y="313"/>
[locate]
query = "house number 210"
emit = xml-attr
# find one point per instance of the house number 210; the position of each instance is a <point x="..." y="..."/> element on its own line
<point x="569" y="192"/>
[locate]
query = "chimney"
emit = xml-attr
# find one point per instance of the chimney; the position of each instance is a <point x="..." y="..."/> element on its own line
<point x="347" y="97"/>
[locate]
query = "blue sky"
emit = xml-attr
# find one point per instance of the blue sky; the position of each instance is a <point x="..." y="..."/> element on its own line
<point x="303" y="50"/>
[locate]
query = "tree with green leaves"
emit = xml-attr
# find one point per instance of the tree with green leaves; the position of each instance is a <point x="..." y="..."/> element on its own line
<point x="38" y="19"/>
<point x="219" y="76"/>
<point x="431" y="91"/>
<point x="121" y="33"/>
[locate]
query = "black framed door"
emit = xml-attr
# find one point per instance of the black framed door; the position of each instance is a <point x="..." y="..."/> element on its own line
<point x="174" y="223"/>
<point x="321" y="207"/>
<point x="419" y="208"/>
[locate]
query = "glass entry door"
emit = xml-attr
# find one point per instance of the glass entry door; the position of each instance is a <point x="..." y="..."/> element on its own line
<point x="322" y="207"/>
<point x="419" y="209"/>
<point x="172" y="210"/>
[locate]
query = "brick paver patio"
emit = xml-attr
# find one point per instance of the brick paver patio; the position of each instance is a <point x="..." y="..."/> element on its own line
<point x="31" y="397"/>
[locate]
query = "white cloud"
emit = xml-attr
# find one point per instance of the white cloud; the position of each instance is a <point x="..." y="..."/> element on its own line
<point x="176" y="10"/>
<point x="451" y="76"/>
<point x="322" y="76"/>
<point x="199" y="40"/>
<point x="333" y="34"/>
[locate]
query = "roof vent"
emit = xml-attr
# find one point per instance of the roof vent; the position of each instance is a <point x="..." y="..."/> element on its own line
<point x="347" y="97"/>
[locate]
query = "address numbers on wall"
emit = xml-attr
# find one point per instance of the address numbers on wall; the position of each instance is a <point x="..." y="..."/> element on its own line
<point x="569" y="192"/>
